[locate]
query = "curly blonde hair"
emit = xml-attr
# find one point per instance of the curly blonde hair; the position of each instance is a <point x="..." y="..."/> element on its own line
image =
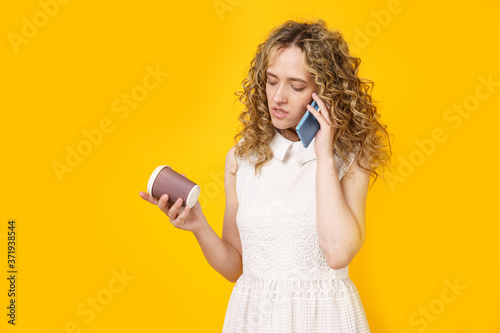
<point x="326" y="56"/>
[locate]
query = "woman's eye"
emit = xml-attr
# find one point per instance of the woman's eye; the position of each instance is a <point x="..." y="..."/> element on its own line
<point x="274" y="83"/>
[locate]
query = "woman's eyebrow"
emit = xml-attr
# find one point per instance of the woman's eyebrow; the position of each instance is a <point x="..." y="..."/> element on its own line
<point x="290" y="78"/>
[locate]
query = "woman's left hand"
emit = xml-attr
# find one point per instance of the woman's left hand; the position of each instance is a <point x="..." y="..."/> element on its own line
<point x="324" y="137"/>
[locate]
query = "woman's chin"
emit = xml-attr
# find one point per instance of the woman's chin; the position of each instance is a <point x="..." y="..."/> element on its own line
<point x="280" y="124"/>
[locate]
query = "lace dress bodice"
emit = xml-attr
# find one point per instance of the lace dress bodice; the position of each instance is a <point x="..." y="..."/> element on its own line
<point x="287" y="285"/>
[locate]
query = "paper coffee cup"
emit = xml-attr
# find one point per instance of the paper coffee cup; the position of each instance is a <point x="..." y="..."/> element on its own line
<point x="164" y="180"/>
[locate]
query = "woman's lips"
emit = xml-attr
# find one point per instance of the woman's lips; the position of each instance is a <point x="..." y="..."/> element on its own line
<point x="279" y="113"/>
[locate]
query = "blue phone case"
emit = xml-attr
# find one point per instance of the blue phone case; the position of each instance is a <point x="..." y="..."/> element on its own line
<point x="308" y="126"/>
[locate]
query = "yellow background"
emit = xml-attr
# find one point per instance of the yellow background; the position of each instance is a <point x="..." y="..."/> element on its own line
<point x="434" y="224"/>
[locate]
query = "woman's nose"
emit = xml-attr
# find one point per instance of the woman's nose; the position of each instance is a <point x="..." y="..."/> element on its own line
<point x="279" y="97"/>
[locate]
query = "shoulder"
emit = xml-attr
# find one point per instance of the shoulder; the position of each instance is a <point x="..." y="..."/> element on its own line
<point x="354" y="174"/>
<point x="231" y="160"/>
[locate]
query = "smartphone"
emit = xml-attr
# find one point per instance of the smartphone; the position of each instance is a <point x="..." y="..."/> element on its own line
<point x="308" y="126"/>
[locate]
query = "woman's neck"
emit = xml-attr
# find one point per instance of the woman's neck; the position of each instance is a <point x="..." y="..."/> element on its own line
<point x="289" y="134"/>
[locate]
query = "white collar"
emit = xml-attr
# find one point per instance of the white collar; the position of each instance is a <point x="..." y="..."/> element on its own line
<point x="281" y="146"/>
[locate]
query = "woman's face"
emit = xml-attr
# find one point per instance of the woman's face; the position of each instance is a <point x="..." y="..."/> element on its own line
<point x="289" y="89"/>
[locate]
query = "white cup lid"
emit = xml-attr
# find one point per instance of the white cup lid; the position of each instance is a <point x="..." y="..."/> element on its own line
<point x="153" y="176"/>
<point x="193" y="196"/>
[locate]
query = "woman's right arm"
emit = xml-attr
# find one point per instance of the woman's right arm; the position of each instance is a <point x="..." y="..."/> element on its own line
<point x="223" y="254"/>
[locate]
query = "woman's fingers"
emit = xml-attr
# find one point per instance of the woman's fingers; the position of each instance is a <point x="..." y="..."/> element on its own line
<point x="163" y="204"/>
<point x="148" y="198"/>
<point x="323" y="109"/>
<point x="170" y="210"/>
<point x="319" y="117"/>
<point x="179" y="221"/>
<point x="320" y="103"/>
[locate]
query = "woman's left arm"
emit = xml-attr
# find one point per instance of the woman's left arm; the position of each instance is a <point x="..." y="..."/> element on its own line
<point x="340" y="205"/>
<point x="340" y="211"/>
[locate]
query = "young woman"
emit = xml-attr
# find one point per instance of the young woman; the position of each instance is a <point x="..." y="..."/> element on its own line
<point x="295" y="216"/>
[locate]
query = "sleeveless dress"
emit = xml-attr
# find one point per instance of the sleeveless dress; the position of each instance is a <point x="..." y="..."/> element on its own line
<point x="286" y="284"/>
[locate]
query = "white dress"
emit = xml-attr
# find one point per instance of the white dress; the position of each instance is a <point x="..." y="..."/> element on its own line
<point x="287" y="285"/>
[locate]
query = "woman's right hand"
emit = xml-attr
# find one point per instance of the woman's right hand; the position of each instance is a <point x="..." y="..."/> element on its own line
<point x="185" y="218"/>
